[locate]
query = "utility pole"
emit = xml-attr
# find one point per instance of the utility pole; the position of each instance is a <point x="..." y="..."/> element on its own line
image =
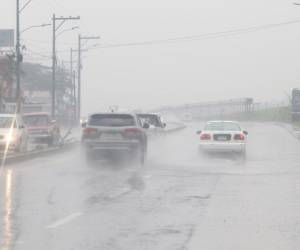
<point x="73" y="83"/>
<point x="18" y="59"/>
<point x="54" y="58"/>
<point x="53" y="67"/>
<point x="74" y="95"/>
<point x="80" y="38"/>
<point x="79" y="79"/>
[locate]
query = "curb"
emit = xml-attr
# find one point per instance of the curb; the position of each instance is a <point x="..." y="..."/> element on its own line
<point x="39" y="153"/>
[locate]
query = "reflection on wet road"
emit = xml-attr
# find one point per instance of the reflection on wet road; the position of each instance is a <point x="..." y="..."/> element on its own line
<point x="65" y="203"/>
<point x="7" y="240"/>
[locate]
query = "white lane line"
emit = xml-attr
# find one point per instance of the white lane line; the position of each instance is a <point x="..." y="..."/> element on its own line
<point x="64" y="221"/>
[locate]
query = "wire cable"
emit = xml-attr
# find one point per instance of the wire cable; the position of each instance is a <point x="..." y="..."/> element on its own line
<point x="205" y="36"/>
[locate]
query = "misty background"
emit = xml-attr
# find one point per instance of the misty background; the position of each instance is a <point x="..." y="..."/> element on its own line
<point x="263" y="64"/>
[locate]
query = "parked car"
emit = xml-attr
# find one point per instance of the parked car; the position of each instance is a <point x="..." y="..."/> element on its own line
<point x="223" y="136"/>
<point x="41" y="128"/>
<point x="156" y="124"/>
<point x="114" y="133"/>
<point x="13" y="133"/>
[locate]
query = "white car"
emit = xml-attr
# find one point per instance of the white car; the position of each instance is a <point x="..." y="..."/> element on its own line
<point x="223" y="136"/>
<point x="13" y="133"/>
<point x="155" y="122"/>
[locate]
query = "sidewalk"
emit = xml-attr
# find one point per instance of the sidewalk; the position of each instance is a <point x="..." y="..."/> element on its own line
<point x="259" y="212"/>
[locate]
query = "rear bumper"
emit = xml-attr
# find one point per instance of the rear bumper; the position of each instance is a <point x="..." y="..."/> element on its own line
<point x="12" y="146"/>
<point x="222" y="147"/>
<point x="39" y="136"/>
<point x="111" y="145"/>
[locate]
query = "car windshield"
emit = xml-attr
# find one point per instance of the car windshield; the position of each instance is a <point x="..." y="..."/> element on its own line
<point x="36" y="120"/>
<point x="112" y="120"/>
<point x="6" y="122"/>
<point x="150" y="119"/>
<point x="222" y="126"/>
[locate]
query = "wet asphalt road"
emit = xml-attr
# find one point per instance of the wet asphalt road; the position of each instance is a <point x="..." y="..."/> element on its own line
<point x="177" y="201"/>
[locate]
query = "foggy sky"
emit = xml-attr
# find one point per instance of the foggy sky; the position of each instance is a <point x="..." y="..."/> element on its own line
<point x="263" y="65"/>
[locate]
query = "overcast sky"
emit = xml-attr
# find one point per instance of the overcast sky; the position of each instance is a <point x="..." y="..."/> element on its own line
<point x="263" y="65"/>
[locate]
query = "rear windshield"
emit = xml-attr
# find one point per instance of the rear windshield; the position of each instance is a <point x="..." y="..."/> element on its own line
<point x="150" y="119"/>
<point x="36" y="120"/>
<point x="222" y="126"/>
<point x="112" y="120"/>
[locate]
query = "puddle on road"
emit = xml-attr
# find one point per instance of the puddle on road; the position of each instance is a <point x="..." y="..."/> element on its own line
<point x="7" y="230"/>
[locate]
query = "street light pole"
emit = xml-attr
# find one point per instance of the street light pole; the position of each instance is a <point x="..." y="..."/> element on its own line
<point x="18" y="58"/>
<point x="54" y="58"/>
<point x="80" y="38"/>
<point x="79" y="79"/>
<point x="53" y="67"/>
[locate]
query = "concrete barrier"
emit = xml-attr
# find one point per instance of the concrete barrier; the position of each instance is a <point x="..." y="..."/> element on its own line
<point x="13" y="158"/>
<point x="175" y="126"/>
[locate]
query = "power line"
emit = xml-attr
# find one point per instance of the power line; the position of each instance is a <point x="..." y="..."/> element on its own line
<point x="205" y="36"/>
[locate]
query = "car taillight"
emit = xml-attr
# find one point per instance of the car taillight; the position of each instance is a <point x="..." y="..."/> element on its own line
<point x="90" y="131"/>
<point x="239" y="137"/>
<point x="205" y="137"/>
<point x="131" y="132"/>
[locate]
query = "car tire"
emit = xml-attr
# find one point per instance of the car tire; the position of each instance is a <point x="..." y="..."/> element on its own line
<point x="25" y="147"/>
<point x="50" y="141"/>
<point x="201" y="153"/>
<point x="139" y="156"/>
<point x="89" y="156"/>
<point x="243" y="155"/>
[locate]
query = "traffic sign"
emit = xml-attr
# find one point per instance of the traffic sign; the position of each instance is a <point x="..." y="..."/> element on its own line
<point x="6" y="38"/>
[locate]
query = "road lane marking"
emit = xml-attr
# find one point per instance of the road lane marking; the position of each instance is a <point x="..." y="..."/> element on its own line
<point x="64" y="221"/>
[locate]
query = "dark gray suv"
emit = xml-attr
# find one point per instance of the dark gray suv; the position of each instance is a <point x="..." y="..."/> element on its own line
<point x="114" y="134"/>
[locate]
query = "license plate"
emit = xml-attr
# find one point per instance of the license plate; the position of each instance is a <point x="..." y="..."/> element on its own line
<point x="222" y="138"/>
<point x="110" y="136"/>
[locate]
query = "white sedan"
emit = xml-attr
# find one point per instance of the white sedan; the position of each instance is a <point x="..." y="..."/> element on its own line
<point x="223" y="136"/>
<point x="13" y="133"/>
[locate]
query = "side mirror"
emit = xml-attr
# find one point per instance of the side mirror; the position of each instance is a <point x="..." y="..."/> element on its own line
<point x="84" y="124"/>
<point x="164" y="125"/>
<point x="21" y="127"/>
<point x="53" y="121"/>
<point x="198" y="132"/>
<point x="146" y="125"/>
<point x="245" y="132"/>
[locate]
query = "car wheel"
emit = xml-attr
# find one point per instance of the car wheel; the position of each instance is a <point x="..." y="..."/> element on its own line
<point x="201" y="153"/>
<point x="18" y="148"/>
<point x="50" y="141"/>
<point x="89" y="156"/>
<point x="243" y="155"/>
<point x="25" y="146"/>
<point x="141" y="157"/>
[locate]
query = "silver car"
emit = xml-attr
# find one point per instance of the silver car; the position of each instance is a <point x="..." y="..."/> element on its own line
<point x="114" y="134"/>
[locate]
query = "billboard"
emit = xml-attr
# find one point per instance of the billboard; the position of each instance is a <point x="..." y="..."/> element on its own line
<point x="6" y="38"/>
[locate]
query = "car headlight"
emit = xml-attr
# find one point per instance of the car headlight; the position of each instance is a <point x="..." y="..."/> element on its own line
<point x="10" y="137"/>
